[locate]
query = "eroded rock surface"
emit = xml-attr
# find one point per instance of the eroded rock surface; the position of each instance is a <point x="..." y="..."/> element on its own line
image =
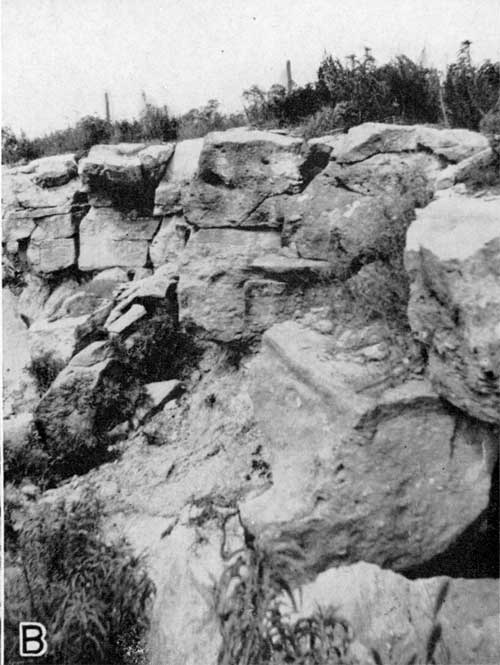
<point x="396" y="616"/>
<point x="372" y="138"/>
<point x="123" y="240"/>
<point x="453" y="259"/>
<point x="366" y="465"/>
<point x="330" y="438"/>
<point x="240" y="173"/>
<point x="125" y="174"/>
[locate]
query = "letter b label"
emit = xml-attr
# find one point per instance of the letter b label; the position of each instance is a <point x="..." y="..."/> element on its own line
<point x="32" y="642"/>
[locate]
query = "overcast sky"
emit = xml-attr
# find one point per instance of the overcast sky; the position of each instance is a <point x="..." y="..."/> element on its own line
<point x="59" y="56"/>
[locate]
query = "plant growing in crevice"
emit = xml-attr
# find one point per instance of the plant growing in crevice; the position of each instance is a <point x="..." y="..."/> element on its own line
<point x="44" y="370"/>
<point x="256" y="630"/>
<point x="159" y="350"/>
<point x="92" y="596"/>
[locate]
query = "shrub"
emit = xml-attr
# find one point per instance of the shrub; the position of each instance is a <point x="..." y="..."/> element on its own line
<point x="92" y="596"/>
<point x="28" y="459"/>
<point x="401" y="89"/>
<point x="325" y="121"/>
<point x="44" y="369"/>
<point x="199" y="122"/>
<point x="380" y="291"/>
<point x="17" y="148"/>
<point x="158" y="350"/>
<point x="255" y="629"/>
<point x="156" y="124"/>
<point x="490" y="127"/>
<point x="470" y="91"/>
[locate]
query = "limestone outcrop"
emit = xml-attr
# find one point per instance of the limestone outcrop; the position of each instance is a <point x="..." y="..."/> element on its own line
<point x="397" y="617"/>
<point x="241" y="175"/>
<point x="206" y="311"/>
<point x="123" y="241"/>
<point x="71" y="319"/>
<point x="126" y="174"/>
<point x="52" y="171"/>
<point x="344" y="431"/>
<point x="373" y="138"/>
<point x="453" y="259"/>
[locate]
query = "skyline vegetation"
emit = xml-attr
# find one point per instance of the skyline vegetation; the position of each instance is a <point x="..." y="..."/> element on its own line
<point x="345" y="93"/>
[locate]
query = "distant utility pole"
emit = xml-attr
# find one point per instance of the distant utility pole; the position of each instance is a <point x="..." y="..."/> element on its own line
<point x="106" y="105"/>
<point x="289" y="82"/>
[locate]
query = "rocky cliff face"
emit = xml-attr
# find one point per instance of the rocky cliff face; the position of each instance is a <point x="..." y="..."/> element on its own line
<point x="291" y="397"/>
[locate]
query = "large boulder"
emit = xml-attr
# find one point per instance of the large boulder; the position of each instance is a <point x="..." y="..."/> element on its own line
<point x="68" y="409"/>
<point x="72" y="317"/>
<point x="47" y="216"/>
<point x="453" y="259"/>
<point x="366" y="464"/>
<point x="184" y="573"/>
<point x="52" y="171"/>
<point x="343" y="224"/>
<point x="469" y="621"/>
<point x="33" y="201"/>
<point x="235" y="283"/>
<point x="398" y="618"/>
<point x="41" y="214"/>
<point x="408" y="176"/>
<point x="52" y="244"/>
<point x="125" y="174"/>
<point x="240" y="174"/>
<point x="123" y="240"/>
<point x="372" y="138"/>
<point x="212" y="276"/>
<point x="457" y="173"/>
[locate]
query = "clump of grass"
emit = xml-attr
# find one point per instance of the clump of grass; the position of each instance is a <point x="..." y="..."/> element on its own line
<point x="92" y="596"/>
<point x="325" y="121"/>
<point x="44" y="369"/>
<point x="254" y="625"/>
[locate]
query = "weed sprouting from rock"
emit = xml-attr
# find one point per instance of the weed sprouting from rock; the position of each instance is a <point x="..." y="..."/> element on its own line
<point x="252" y="597"/>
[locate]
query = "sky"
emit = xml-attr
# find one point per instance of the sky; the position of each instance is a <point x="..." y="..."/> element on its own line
<point x="59" y="56"/>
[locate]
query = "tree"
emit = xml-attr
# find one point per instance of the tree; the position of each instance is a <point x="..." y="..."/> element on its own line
<point x="470" y="91"/>
<point x="156" y="123"/>
<point x="92" y="130"/>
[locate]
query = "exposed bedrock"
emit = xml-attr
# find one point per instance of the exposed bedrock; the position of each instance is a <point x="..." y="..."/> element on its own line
<point x="453" y="259"/>
<point x="240" y="174"/>
<point x="371" y="138"/>
<point x="366" y="465"/>
<point x="278" y="397"/>
<point x="125" y="175"/>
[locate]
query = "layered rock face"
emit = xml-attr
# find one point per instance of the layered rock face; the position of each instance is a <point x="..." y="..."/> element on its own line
<point x="311" y="425"/>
